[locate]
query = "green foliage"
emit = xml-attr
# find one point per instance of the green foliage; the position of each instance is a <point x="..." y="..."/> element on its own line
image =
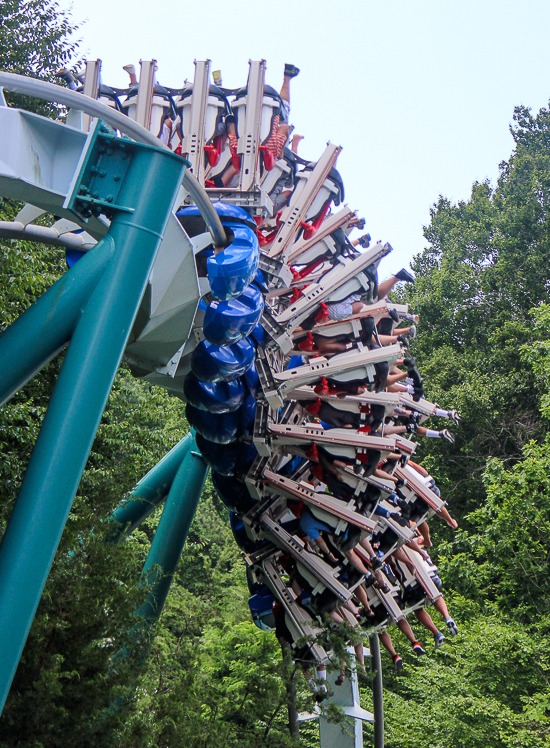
<point x="35" y="41"/>
<point x="488" y="689"/>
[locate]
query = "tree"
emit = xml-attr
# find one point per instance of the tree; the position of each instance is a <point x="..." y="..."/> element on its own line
<point x="35" y="40"/>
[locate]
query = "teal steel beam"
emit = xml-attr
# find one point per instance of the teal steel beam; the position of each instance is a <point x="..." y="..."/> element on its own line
<point x="167" y="546"/>
<point x="46" y="327"/>
<point x="63" y="445"/>
<point x="152" y="489"/>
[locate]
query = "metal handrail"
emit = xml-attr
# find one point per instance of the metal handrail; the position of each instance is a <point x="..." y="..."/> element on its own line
<point x="40" y="89"/>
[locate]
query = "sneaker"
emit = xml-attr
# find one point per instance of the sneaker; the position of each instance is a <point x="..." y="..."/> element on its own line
<point x="418" y="649"/>
<point x="446" y="434"/>
<point x="217" y="77"/>
<point x="65" y="75"/>
<point x="291" y="71"/>
<point x="322" y="695"/>
<point x="392" y="314"/>
<point x="405" y="276"/>
<point x="451" y="625"/>
<point x="439" y="640"/>
<point x="364" y="241"/>
<point x="455" y="416"/>
<point x="401" y="521"/>
<point x="398" y="663"/>
<point x="376" y="563"/>
<point x="418" y="392"/>
<point x="403" y="340"/>
<point x="412" y="332"/>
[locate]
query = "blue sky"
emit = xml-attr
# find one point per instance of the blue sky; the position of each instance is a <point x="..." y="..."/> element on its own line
<point x="419" y="94"/>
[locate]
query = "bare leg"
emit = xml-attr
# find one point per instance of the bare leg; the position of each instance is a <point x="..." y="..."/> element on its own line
<point x="393" y="378"/>
<point x="228" y="175"/>
<point x="295" y="143"/>
<point x="425" y="541"/>
<point x="425" y="619"/>
<point x="444" y="514"/>
<point x="404" y="627"/>
<point x="400" y="556"/>
<point x="360" y="655"/>
<point x="327" y="345"/>
<point x="363" y="598"/>
<point x="336" y="617"/>
<point x="356" y="562"/>
<point x="385" y="640"/>
<point x="386" y="286"/>
<point x="441" y="606"/>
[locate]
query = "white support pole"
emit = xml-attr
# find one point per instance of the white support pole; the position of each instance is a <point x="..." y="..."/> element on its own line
<point x="249" y="141"/>
<point x="145" y="92"/>
<point x="91" y="88"/>
<point x="193" y="142"/>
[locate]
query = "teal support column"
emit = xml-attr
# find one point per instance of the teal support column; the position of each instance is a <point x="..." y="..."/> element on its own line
<point x="151" y="490"/>
<point x="172" y="530"/>
<point x="46" y="327"/>
<point x="29" y="544"/>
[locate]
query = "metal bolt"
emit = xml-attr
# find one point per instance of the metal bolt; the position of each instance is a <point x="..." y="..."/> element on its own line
<point x="117" y="178"/>
<point x="102" y="173"/>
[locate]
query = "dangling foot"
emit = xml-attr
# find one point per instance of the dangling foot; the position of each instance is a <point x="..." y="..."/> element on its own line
<point x="322" y="695"/>
<point x="439" y="640"/>
<point x="455" y="416"/>
<point x="291" y="71"/>
<point x="217" y="77"/>
<point x="66" y="76"/>
<point x="446" y="434"/>
<point x="405" y="276"/>
<point x="403" y="340"/>
<point x="451" y="625"/>
<point x="418" y="649"/>
<point x="397" y="663"/>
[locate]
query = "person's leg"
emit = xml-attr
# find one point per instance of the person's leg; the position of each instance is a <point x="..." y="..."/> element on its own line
<point x="296" y="142"/>
<point x="360" y="656"/>
<point x="386" y="286"/>
<point x="363" y="599"/>
<point x="291" y="71"/>
<point x="441" y="607"/>
<point x="398" y="555"/>
<point x="228" y="175"/>
<point x="404" y="627"/>
<point x="386" y="642"/>
<point x="389" y="430"/>
<point x="425" y="541"/>
<point x="432" y="434"/>
<point x="393" y="378"/>
<point x="356" y="562"/>
<point x="444" y="514"/>
<point x="329" y="346"/>
<point x="336" y="617"/>
<point x="424" y="618"/>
